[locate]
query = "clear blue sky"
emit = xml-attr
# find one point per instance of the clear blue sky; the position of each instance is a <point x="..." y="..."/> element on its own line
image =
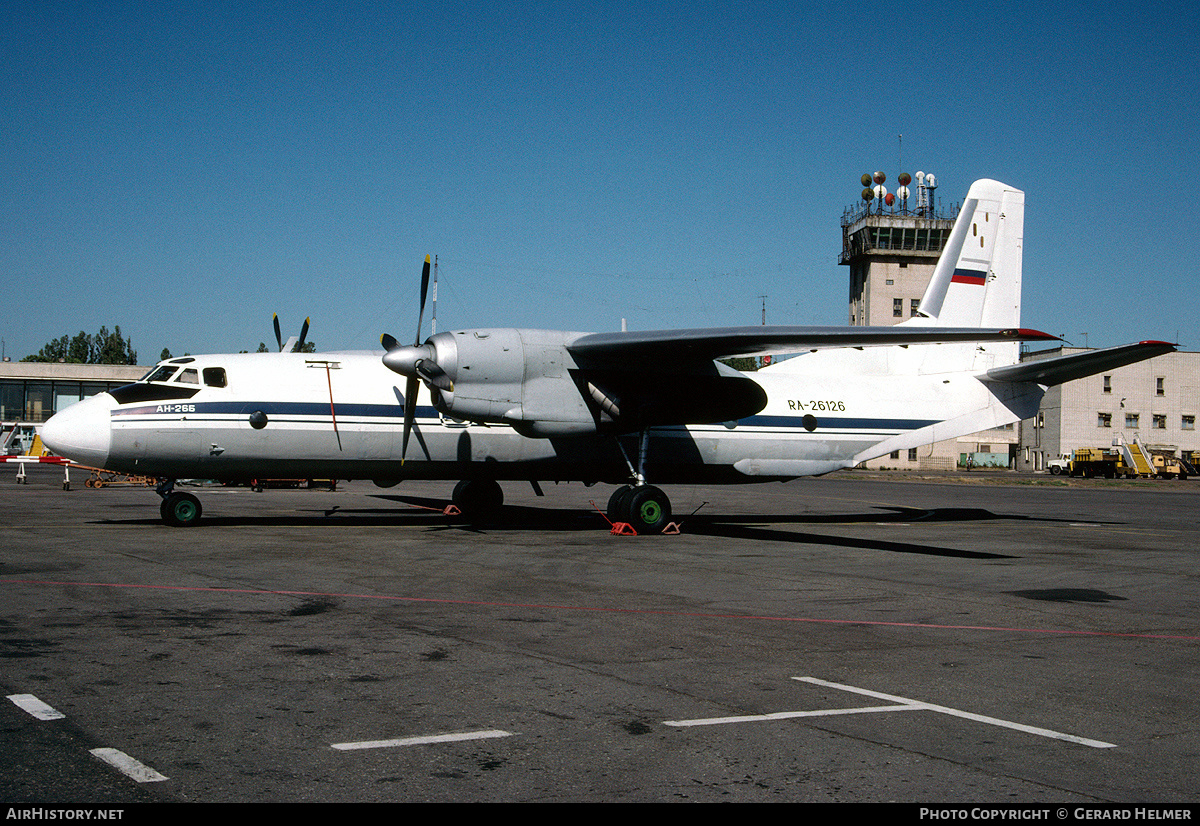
<point x="185" y="170"/>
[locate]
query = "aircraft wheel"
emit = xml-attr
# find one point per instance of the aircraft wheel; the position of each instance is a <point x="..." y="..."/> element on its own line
<point x="180" y="510"/>
<point x="478" y="498"/>
<point x="648" y="509"/>
<point x="617" y="512"/>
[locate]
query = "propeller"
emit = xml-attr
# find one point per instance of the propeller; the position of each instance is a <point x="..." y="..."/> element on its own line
<point x="416" y="362"/>
<point x="299" y="343"/>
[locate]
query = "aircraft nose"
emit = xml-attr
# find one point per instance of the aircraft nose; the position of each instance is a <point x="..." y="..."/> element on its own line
<point x="82" y="432"/>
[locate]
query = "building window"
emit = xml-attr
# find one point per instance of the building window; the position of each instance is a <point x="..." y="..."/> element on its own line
<point x="912" y="454"/>
<point x="1131" y="420"/>
<point x="1108" y="384"/>
<point x="1160" y="421"/>
<point x="895" y="454"/>
<point x="1188" y="423"/>
<point x="1103" y="420"/>
<point x="898" y="307"/>
<point x="914" y="306"/>
<point x="1159" y="389"/>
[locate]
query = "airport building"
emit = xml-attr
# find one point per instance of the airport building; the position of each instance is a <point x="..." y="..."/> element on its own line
<point x="1154" y="402"/>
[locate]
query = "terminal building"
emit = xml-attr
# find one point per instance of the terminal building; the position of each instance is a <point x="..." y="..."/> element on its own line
<point x="1153" y="402"/>
<point x="891" y="243"/>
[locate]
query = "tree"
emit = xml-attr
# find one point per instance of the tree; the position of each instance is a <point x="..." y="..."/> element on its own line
<point x="102" y="348"/>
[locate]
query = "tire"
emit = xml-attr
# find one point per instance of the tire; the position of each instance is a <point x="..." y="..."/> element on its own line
<point x="648" y="508"/>
<point x="617" y="512"/>
<point x="478" y="499"/>
<point x="180" y="510"/>
<point x="1055" y="470"/>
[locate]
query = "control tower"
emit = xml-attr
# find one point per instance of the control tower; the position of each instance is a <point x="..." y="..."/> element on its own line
<point x="892" y="248"/>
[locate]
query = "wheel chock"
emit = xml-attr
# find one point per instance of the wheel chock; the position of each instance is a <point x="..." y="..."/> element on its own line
<point x="671" y="529"/>
<point x="623" y="529"/>
<point x="451" y="510"/>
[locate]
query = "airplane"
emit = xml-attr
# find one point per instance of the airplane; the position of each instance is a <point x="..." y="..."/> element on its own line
<point x="632" y="409"/>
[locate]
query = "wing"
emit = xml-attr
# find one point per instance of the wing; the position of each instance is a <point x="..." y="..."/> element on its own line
<point x="1059" y="369"/>
<point x="726" y="342"/>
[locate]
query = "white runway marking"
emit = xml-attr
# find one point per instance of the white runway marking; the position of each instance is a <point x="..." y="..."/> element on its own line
<point x="31" y="704"/>
<point x="417" y="741"/>
<point x="902" y="704"/>
<point x="129" y="767"/>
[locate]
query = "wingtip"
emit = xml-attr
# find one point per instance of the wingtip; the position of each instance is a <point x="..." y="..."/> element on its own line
<point x="1030" y="334"/>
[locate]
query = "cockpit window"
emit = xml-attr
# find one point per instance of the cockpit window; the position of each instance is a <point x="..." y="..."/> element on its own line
<point x="163" y="373"/>
<point x="214" y="376"/>
<point x="189" y="376"/>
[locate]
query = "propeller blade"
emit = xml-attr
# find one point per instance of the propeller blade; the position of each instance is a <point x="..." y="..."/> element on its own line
<point x="303" y="333"/>
<point x="388" y="341"/>
<point x="424" y="291"/>
<point x="278" y="334"/>
<point x="410" y="413"/>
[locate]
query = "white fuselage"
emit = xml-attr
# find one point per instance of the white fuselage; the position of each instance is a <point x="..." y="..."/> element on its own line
<point x="340" y="415"/>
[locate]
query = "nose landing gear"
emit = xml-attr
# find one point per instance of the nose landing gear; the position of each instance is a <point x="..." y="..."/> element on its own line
<point x="179" y="510"/>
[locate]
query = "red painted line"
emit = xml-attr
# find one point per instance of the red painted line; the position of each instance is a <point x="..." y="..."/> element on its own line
<point x="643" y="611"/>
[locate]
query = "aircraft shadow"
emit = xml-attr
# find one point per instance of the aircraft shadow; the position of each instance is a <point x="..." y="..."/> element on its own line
<point x="429" y="514"/>
<point x="740" y="526"/>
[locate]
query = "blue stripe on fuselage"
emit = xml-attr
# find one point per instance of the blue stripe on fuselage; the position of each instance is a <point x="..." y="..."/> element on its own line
<point x="390" y="411"/>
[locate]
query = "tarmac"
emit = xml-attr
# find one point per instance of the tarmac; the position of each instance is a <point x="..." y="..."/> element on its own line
<point x="987" y="639"/>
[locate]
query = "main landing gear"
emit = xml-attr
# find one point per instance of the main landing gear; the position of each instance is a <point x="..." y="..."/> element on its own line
<point x="644" y="507"/>
<point x="178" y="509"/>
<point x="478" y="499"/>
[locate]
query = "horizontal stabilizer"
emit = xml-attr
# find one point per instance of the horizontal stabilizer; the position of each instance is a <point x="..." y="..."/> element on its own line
<point x="725" y="342"/>
<point x="1059" y="369"/>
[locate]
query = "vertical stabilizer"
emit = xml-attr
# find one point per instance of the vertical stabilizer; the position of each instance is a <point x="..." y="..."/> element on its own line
<point x="977" y="281"/>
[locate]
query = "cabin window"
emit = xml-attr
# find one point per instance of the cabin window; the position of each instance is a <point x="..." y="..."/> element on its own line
<point x="214" y="376"/>
<point x="189" y="376"/>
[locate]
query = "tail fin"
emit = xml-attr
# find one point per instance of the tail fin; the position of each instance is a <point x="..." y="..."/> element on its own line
<point x="977" y="281"/>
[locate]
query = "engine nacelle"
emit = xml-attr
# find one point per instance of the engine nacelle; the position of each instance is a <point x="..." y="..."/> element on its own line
<point x="529" y="379"/>
<point x="511" y="376"/>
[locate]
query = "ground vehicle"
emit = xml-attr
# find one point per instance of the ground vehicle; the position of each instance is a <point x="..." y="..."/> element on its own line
<point x="1169" y="466"/>
<point x="1060" y="464"/>
<point x="1096" y="461"/>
